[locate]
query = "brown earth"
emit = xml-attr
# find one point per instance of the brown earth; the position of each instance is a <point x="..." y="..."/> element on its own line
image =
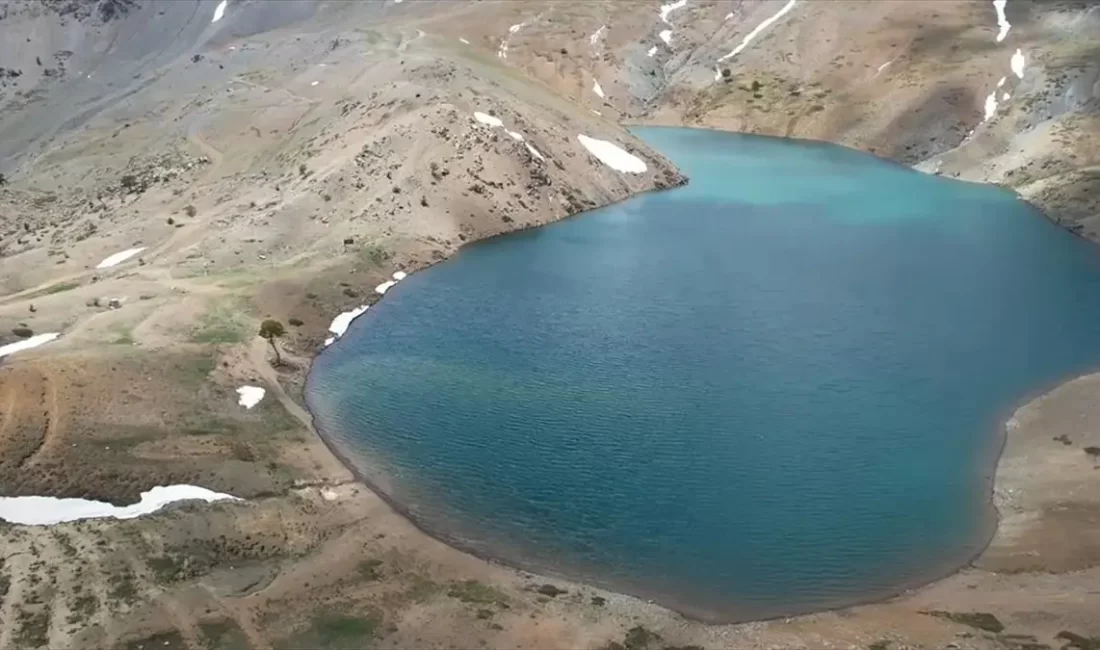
<point x="257" y="193"/>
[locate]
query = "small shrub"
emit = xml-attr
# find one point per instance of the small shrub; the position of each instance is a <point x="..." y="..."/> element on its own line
<point x="190" y="210"/>
<point x="370" y="569"/>
<point x="296" y="322"/>
<point x="22" y="332"/>
<point x="1093" y="451"/>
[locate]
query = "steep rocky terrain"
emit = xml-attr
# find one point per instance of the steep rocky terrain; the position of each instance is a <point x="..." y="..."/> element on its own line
<point x="282" y="159"/>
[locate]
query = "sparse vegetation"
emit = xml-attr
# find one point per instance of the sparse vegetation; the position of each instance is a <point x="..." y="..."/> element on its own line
<point x="370" y="569"/>
<point x="121" y="587"/>
<point x="296" y="322"/>
<point x="475" y="592"/>
<point x="1078" y="642"/>
<point x="82" y="607"/>
<point x="34" y="628"/>
<point x="59" y="287"/>
<point x="190" y="210"/>
<point x="375" y="255"/>
<point x="980" y="620"/>
<point x="332" y="629"/>
<point x="1093" y="451"/>
<point x="22" y="332"/>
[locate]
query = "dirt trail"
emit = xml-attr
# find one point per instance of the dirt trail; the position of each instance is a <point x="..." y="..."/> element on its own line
<point x="52" y="433"/>
<point x="257" y="352"/>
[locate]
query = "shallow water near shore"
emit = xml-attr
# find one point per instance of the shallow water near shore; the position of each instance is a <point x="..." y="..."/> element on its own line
<point x="772" y="391"/>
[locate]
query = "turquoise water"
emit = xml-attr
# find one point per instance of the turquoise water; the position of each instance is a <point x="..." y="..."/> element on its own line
<point x="775" y="390"/>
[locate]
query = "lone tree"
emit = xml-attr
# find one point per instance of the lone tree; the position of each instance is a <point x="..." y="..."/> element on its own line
<point x="272" y="329"/>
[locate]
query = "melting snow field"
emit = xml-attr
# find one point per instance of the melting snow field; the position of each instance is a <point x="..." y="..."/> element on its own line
<point x="43" y="511"/>
<point x="666" y="36"/>
<point x="669" y="8"/>
<point x="485" y="118"/>
<point x="613" y="155"/>
<point x="119" y="258"/>
<point x="1002" y="20"/>
<point x="597" y="88"/>
<point x="26" y="344"/>
<point x="1018" y="63"/>
<point x="219" y="11"/>
<point x="652" y="51"/>
<point x="760" y="28"/>
<point x="340" y="324"/>
<point x="250" y="396"/>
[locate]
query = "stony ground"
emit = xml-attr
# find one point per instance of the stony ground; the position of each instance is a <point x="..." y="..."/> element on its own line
<point x="282" y="162"/>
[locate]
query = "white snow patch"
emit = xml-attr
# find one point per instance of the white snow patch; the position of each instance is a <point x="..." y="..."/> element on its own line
<point x="728" y="16"/>
<point x="27" y="343"/>
<point x="340" y="324"/>
<point x="595" y="38"/>
<point x="327" y="494"/>
<point x="597" y="88"/>
<point x="515" y="135"/>
<point x="717" y="74"/>
<point x="883" y="66"/>
<point x="400" y="275"/>
<point x="219" y="11"/>
<point x="1002" y="20"/>
<point x="1002" y="81"/>
<point x="1005" y="97"/>
<point x="666" y="36"/>
<point x="464" y="41"/>
<point x="613" y="155"/>
<point x="315" y="83"/>
<point x="119" y="258"/>
<point x="597" y="112"/>
<point x="535" y="152"/>
<point x="503" y="51"/>
<point x="669" y="8"/>
<point x="652" y="51"/>
<point x="44" y="511"/>
<point x="760" y="28"/>
<point x="329" y="341"/>
<point x="1018" y="62"/>
<point x="384" y="287"/>
<point x="250" y="396"/>
<point x="485" y="118"/>
<point x="990" y="105"/>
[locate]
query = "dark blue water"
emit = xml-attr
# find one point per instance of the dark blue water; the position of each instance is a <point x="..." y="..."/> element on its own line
<point x="775" y="390"/>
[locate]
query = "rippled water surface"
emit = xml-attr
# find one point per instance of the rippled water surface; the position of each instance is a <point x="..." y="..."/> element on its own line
<point x="775" y="390"/>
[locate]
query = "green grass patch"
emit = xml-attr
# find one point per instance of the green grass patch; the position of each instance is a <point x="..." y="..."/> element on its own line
<point x="980" y="620"/>
<point x="163" y="641"/>
<point x="331" y="629"/>
<point x="196" y="368"/>
<point x="375" y="254"/>
<point x="223" y="323"/>
<point x="60" y="287"/>
<point x="475" y="592"/>
<point x="222" y="635"/>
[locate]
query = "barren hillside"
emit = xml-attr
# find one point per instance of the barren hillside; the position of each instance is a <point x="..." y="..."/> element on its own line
<point x="176" y="171"/>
